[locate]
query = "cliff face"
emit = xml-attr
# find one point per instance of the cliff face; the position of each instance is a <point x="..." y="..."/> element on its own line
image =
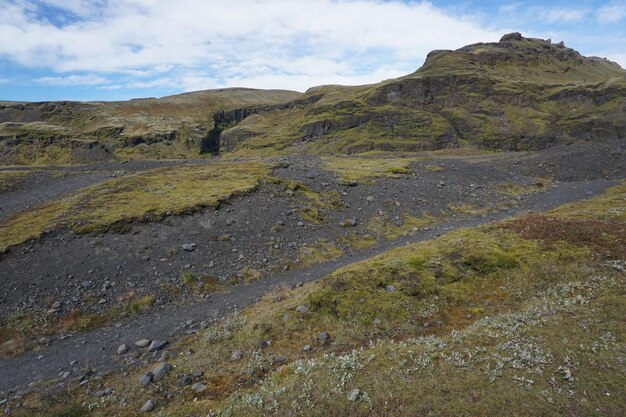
<point x="515" y="94"/>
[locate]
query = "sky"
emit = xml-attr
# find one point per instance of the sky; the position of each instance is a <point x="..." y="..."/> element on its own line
<point x="122" y="49"/>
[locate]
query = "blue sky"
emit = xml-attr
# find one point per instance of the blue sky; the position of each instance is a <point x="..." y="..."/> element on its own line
<point x="116" y="50"/>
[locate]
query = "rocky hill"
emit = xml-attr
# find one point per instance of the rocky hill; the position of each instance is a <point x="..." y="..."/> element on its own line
<point x="515" y="94"/>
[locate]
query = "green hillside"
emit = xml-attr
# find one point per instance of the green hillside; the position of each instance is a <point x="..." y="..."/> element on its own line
<point x="515" y="94"/>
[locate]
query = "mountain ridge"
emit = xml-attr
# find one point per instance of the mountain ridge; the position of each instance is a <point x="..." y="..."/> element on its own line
<point x="515" y="94"/>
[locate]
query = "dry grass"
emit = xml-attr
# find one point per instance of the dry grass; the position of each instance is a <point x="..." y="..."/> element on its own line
<point x="361" y="169"/>
<point x="144" y="196"/>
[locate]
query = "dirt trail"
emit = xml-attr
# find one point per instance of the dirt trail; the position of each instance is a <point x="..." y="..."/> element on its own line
<point x="97" y="349"/>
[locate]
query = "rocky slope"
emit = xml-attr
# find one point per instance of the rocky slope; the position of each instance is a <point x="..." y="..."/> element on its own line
<point x="515" y="94"/>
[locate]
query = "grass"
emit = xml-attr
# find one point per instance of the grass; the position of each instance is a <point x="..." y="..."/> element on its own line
<point x="384" y="228"/>
<point x="513" y="189"/>
<point x="318" y="252"/>
<point x="9" y="179"/>
<point x="145" y="196"/>
<point x="360" y="169"/>
<point x="19" y="332"/>
<point x="478" y="321"/>
<point x="434" y="168"/>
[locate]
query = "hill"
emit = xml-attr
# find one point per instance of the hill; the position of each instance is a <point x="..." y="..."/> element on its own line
<point x="518" y="93"/>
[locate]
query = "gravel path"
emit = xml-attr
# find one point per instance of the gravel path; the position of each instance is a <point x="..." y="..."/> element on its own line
<point x="97" y="349"/>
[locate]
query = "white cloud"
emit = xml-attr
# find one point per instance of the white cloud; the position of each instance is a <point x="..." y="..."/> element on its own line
<point x="72" y="80"/>
<point x="611" y="13"/>
<point x="560" y="15"/>
<point x="271" y="43"/>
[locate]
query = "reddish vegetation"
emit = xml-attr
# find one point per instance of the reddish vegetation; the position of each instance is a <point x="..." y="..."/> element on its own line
<point x="601" y="237"/>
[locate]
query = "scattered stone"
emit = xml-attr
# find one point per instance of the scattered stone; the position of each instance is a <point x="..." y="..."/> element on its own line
<point x="354" y="395"/>
<point x="324" y="336"/>
<point x="261" y="344"/>
<point x="187" y="247"/>
<point x="166" y="356"/>
<point x="184" y="381"/>
<point x="198" y="387"/>
<point x="302" y="309"/>
<point x="148" y="406"/>
<point x="160" y="371"/>
<point x="56" y="305"/>
<point x="300" y="224"/>
<point x="146" y="379"/>
<point x="65" y="375"/>
<point x="237" y="355"/>
<point x="306" y="348"/>
<point x="390" y="288"/>
<point x="122" y="349"/>
<point x="348" y="223"/>
<point x="157" y="345"/>
<point x="142" y="343"/>
<point x="198" y="374"/>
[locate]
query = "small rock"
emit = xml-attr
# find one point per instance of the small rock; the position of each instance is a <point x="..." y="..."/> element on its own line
<point x="148" y="406"/>
<point x="237" y="355"/>
<point x="348" y="223"/>
<point x="146" y="379"/>
<point x="306" y="348"/>
<point x="184" y="381"/>
<point x="390" y="288"/>
<point x="198" y="374"/>
<point x="160" y="371"/>
<point x="302" y="309"/>
<point x="261" y="344"/>
<point x="300" y="224"/>
<point x="324" y="336"/>
<point x="187" y="247"/>
<point x="157" y="345"/>
<point x="122" y="349"/>
<point x="198" y="387"/>
<point x="56" y="305"/>
<point x="166" y="356"/>
<point x="354" y="394"/>
<point x="142" y="343"/>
